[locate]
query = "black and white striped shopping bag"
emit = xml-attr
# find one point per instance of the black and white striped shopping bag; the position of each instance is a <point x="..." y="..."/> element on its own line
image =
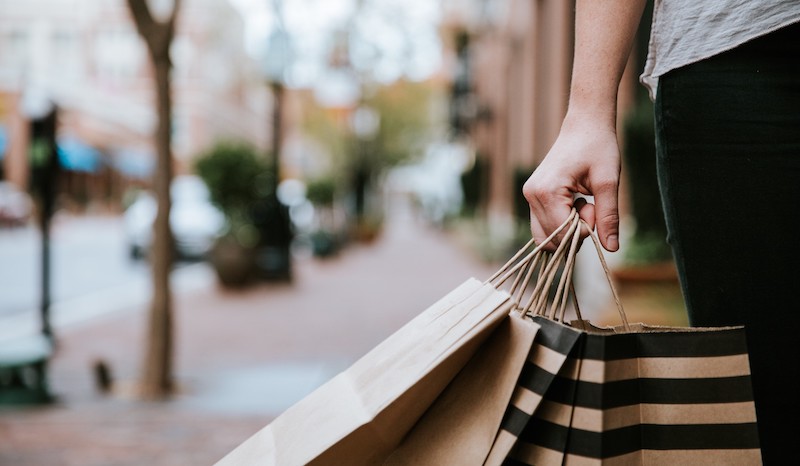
<point x="641" y="396"/>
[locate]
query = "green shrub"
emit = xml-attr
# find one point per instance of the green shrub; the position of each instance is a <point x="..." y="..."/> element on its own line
<point x="322" y="191"/>
<point x="236" y="175"/>
<point x="473" y="184"/>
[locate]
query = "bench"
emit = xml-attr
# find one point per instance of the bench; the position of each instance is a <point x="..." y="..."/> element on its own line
<point x="23" y="370"/>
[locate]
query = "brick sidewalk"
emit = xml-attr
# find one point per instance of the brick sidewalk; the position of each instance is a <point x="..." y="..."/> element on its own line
<point x="242" y="357"/>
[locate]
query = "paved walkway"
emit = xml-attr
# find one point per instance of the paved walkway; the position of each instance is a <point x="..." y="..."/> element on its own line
<point x="242" y="357"/>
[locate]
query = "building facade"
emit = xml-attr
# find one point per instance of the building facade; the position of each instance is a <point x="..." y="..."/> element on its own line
<point x="87" y="57"/>
<point x="514" y="61"/>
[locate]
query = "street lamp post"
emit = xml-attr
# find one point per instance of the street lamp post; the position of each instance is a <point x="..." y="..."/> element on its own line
<point x="364" y="123"/>
<point x="277" y="131"/>
<point x="276" y="61"/>
<point x="273" y="257"/>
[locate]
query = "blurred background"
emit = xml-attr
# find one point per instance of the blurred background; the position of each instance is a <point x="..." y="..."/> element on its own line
<point x="208" y="208"/>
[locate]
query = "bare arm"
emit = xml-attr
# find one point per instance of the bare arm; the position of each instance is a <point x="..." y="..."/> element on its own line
<point x="585" y="157"/>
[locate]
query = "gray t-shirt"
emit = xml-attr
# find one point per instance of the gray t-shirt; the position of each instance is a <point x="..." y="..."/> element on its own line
<point x="687" y="31"/>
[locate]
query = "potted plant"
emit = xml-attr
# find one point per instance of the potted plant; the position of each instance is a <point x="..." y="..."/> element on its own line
<point x="368" y="228"/>
<point x="321" y="192"/>
<point x="237" y="179"/>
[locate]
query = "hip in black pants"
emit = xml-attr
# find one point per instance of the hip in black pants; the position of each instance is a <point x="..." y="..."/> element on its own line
<point x="728" y="144"/>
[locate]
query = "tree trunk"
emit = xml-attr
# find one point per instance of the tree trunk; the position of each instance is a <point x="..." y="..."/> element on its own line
<point x="156" y="381"/>
<point x="157" y="377"/>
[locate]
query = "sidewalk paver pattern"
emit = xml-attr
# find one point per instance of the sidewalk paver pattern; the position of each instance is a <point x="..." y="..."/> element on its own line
<point x="241" y="357"/>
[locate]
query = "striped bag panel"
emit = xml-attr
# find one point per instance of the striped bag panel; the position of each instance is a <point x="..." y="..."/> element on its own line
<point x="550" y="351"/>
<point x="644" y="398"/>
<point x="551" y="441"/>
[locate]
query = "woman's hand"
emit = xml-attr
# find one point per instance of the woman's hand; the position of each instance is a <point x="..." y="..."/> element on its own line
<point x="584" y="159"/>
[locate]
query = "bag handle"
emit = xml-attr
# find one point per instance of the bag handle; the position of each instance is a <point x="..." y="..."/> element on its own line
<point x="607" y="272"/>
<point x="565" y="285"/>
<point x="512" y="266"/>
<point x="526" y="267"/>
<point x="538" y="299"/>
<point x="537" y="262"/>
<point x="541" y="267"/>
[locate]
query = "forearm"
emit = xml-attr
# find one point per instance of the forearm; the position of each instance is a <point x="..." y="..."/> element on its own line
<point x="604" y="32"/>
<point x="585" y="156"/>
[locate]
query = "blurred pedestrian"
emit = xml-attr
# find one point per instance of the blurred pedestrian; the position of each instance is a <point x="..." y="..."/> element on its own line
<point x="725" y="76"/>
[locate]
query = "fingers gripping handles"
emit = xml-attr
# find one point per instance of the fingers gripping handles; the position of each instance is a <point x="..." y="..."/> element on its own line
<point x="544" y="269"/>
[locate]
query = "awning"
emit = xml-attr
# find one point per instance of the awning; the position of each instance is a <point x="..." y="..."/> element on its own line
<point x="3" y="141"/>
<point x="134" y="163"/>
<point x="75" y="155"/>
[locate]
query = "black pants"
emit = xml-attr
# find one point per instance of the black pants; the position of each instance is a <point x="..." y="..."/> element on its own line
<point x="728" y="143"/>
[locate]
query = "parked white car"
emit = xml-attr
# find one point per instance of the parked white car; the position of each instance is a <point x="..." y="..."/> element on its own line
<point x="16" y="206"/>
<point x="194" y="220"/>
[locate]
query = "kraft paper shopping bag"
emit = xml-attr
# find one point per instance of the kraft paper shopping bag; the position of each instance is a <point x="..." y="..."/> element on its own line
<point x="362" y="414"/>
<point x="460" y="426"/>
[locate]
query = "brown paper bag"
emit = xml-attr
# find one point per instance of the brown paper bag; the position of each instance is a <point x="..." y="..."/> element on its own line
<point x="635" y="394"/>
<point x="460" y="426"/>
<point x="361" y="415"/>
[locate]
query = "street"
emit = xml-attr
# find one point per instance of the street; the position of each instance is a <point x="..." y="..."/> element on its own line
<point x="242" y="357"/>
<point x="91" y="273"/>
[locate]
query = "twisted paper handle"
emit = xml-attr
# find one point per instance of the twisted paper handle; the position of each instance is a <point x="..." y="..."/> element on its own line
<point x="542" y="267"/>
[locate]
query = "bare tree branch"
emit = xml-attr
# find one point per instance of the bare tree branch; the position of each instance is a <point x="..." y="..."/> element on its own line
<point x="142" y="17"/>
<point x="173" y="17"/>
<point x="157" y="34"/>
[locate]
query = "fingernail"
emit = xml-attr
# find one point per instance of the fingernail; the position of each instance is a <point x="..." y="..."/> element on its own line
<point x="613" y="242"/>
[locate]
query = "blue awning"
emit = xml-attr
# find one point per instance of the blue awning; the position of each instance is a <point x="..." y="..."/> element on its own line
<point x="3" y="141"/>
<point x="75" y="155"/>
<point x="134" y="163"/>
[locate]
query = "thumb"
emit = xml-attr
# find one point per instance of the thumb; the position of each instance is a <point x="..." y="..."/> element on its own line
<point x="607" y="214"/>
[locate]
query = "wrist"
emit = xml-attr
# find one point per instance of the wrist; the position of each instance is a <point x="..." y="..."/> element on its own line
<point x="596" y="119"/>
<point x="595" y="103"/>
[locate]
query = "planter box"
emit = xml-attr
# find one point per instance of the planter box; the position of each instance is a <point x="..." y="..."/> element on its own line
<point x="658" y="272"/>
